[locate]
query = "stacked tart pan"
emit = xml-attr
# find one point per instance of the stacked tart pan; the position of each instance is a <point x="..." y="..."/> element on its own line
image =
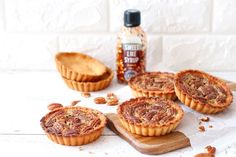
<point x="82" y="72"/>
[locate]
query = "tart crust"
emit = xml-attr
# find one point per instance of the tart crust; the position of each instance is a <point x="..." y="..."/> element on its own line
<point x="75" y="139"/>
<point x="203" y="106"/>
<point x="166" y="121"/>
<point x="79" y="67"/>
<point x="91" y="86"/>
<point x="161" y="85"/>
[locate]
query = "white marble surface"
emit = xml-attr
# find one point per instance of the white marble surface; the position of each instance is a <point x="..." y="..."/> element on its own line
<point x="24" y="98"/>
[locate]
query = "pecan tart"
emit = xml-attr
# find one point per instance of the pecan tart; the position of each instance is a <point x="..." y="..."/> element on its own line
<point x="150" y="116"/>
<point x="79" y="67"/>
<point x="73" y="126"/>
<point x="153" y="84"/>
<point x="202" y="92"/>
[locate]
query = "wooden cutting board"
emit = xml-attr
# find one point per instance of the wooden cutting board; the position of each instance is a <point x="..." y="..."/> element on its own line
<point x="148" y="145"/>
<point x="231" y="84"/>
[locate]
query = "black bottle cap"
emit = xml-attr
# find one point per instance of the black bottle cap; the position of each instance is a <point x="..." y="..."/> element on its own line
<point x="132" y="18"/>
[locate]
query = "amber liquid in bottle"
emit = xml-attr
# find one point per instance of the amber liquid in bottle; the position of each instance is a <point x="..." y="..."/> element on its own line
<point x="131" y="48"/>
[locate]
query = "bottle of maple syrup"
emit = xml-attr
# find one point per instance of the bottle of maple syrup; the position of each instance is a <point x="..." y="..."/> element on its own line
<point x="131" y="47"/>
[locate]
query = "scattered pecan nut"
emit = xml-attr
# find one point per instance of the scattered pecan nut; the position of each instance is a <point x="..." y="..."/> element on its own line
<point x="111" y="95"/>
<point x="210" y="152"/>
<point x="112" y="102"/>
<point x="201" y="128"/>
<point x="75" y="102"/>
<point x="85" y="94"/>
<point x="54" y="106"/>
<point x="112" y="99"/>
<point x="210" y="149"/>
<point x="100" y="100"/>
<point x="210" y="126"/>
<point x="204" y="155"/>
<point x="205" y="119"/>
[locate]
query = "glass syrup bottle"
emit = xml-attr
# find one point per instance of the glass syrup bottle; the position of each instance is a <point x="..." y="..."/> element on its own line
<point x="131" y="47"/>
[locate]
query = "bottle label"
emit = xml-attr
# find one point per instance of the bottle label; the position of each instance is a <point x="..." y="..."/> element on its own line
<point x="133" y="56"/>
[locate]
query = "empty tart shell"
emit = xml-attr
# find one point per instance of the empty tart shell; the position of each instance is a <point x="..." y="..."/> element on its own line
<point x="91" y="86"/>
<point x="202" y="92"/>
<point x="150" y="116"/>
<point x="79" y="67"/>
<point x="65" y="125"/>
<point x="153" y="84"/>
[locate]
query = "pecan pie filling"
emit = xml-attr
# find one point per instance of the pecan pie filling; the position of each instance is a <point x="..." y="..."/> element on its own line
<point x="151" y="112"/>
<point x="203" y="89"/>
<point x="154" y="81"/>
<point x="70" y="122"/>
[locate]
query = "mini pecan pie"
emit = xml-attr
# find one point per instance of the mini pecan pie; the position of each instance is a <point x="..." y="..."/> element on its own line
<point x="202" y="92"/>
<point x="150" y="116"/>
<point x="153" y="84"/>
<point x="73" y="125"/>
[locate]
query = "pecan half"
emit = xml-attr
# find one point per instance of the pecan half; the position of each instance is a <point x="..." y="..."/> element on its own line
<point x="210" y="152"/>
<point x="100" y="100"/>
<point x="95" y="123"/>
<point x="58" y="127"/>
<point x="204" y="155"/>
<point x="85" y="94"/>
<point x="86" y="129"/>
<point x="112" y="102"/>
<point x="70" y="132"/>
<point x="210" y="149"/>
<point x="112" y="99"/>
<point x="54" y="106"/>
<point x="205" y="119"/>
<point x="75" y="102"/>
<point x="201" y="128"/>
<point x="110" y="95"/>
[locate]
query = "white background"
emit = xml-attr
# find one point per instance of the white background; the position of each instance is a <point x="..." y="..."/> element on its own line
<point x="181" y="33"/>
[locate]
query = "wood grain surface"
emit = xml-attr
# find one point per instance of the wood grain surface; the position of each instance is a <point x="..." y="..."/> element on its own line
<point x="231" y="84"/>
<point x="148" y="145"/>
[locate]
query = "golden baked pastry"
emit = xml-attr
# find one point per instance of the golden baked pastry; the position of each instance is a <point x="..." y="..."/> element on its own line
<point x="91" y="86"/>
<point x="150" y="116"/>
<point x="202" y="92"/>
<point x="79" y="67"/>
<point x="73" y="126"/>
<point x="153" y="84"/>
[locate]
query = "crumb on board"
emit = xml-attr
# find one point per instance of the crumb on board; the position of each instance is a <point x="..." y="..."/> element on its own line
<point x="210" y="149"/>
<point x="205" y="119"/>
<point x="201" y="128"/>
